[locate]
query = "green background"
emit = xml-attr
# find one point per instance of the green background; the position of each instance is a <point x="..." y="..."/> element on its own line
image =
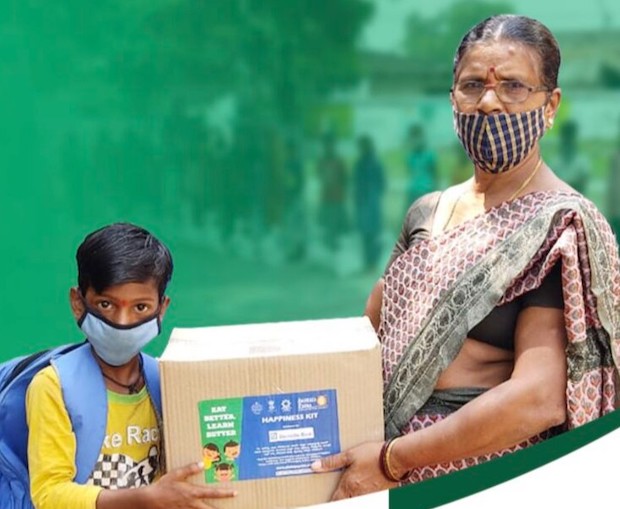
<point x="177" y="115"/>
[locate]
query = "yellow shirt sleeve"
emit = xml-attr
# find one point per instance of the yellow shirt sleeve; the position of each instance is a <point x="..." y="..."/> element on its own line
<point x="52" y="447"/>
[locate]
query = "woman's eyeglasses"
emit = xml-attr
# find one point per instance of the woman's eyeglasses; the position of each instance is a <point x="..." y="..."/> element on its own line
<point x="507" y="91"/>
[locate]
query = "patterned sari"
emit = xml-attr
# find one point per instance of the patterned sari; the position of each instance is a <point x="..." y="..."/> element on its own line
<point x="441" y="287"/>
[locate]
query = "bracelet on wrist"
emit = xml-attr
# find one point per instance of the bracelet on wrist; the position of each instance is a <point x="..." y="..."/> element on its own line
<point x="386" y="466"/>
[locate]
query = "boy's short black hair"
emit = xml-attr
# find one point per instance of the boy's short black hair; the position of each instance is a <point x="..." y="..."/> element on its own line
<point x="122" y="253"/>
<point x="230" y="443"/>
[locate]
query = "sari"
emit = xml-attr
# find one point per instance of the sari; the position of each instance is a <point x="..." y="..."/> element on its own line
<point x="442" y="286"/>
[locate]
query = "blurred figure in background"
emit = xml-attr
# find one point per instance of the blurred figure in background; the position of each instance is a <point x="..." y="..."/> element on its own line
<point x="275" y="185"/>
<point x="176" y="131"/>
<point x="462" y="167"/>
<point x="248" y="165"/>
<point x="613" y="188"/>
<point x="217" y="184"/>
<point x="332" y="173"/>
<point x="421" y="165"/>
<point x="196" y="177"/>
<point x="368" y="187"/>
<point x="573" y="167"/>
<point x="295" y="208"/>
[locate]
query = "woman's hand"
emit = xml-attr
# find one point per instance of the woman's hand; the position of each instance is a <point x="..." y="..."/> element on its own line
<point x="363" y="473"/>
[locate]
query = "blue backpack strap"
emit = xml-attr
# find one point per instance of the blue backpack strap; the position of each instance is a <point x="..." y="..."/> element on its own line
<point x="151" y="374"/>
<point x="86" y="400"/>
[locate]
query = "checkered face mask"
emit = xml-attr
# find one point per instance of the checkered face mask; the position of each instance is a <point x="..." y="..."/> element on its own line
<point x="497" y="142"/>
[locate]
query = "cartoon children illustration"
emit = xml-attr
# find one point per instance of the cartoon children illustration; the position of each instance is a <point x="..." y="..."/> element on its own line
<point x="210" y="455"/>
<point x="224" y="472"/>
<point x="232" y="450"/>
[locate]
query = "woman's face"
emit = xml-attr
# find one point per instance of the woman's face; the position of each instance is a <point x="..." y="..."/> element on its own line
<point x="492" y="62"/>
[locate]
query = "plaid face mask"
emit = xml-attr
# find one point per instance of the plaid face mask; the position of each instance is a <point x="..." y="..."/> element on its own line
<point x="495" y="143"/>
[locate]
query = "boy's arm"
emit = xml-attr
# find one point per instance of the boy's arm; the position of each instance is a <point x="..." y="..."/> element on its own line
<point x="51" y="458"/>
<point x="172" y="491"/>
<point x="52" y="447"/>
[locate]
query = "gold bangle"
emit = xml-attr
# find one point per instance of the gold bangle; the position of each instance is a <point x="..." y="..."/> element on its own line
<point x="384" y="462"/>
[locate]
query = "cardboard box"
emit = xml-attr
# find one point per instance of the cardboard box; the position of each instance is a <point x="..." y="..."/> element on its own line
<point x="377" y="500"/>
<point x="268" y="399"/>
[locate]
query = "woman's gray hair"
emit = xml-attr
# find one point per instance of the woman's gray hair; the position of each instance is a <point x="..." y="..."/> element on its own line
<point x="521" y="29"/>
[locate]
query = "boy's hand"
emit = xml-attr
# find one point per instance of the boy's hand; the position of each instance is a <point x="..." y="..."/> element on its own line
<point x="174" y="491"/>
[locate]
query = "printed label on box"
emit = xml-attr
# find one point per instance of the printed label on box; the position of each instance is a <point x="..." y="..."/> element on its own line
<point x="276" y="435"/>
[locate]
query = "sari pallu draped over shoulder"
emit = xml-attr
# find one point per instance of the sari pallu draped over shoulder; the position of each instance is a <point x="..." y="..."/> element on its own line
<point x="441" y="287"/>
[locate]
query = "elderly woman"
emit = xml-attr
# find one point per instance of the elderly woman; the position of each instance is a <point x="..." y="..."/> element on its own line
<point x="499" y="311"/>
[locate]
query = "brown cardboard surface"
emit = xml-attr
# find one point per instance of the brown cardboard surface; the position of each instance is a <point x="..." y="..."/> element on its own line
<point x="253" y="360"/>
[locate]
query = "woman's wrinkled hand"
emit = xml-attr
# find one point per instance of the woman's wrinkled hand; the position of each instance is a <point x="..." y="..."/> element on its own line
<point x="363" y="473"/>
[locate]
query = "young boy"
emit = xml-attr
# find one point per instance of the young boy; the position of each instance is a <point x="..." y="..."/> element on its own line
<point x="86" y="445"/>
<point x="232" y="450"/>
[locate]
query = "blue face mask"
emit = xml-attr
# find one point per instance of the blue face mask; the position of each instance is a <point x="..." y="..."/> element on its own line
<point x="118" y="344"/>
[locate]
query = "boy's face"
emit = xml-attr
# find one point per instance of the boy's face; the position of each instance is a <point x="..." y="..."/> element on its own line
<point x="232" y="452"/>
<point x="211" y="454"/>
<point x="123" y="304"/>
<point x="224" y="474"/>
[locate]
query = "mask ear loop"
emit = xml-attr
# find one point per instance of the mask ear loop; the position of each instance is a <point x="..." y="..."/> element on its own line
<point x="161" y="303"/>
<point x="86" y="308"/>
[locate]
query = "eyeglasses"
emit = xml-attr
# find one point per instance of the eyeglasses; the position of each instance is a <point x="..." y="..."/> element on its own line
<point x="507" y="91"/>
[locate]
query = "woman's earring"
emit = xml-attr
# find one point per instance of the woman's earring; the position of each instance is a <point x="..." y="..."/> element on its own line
<point x="549" y="122"/>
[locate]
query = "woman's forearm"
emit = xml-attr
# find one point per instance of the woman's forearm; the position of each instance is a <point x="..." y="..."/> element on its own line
<point x="501" y="417"/>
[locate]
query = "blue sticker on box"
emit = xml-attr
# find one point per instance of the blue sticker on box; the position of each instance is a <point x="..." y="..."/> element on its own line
<point x="275" y="435"/>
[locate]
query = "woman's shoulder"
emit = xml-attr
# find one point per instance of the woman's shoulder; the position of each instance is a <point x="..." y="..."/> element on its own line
<point x="565" y="197"/>
<point x="423" y="209"/>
